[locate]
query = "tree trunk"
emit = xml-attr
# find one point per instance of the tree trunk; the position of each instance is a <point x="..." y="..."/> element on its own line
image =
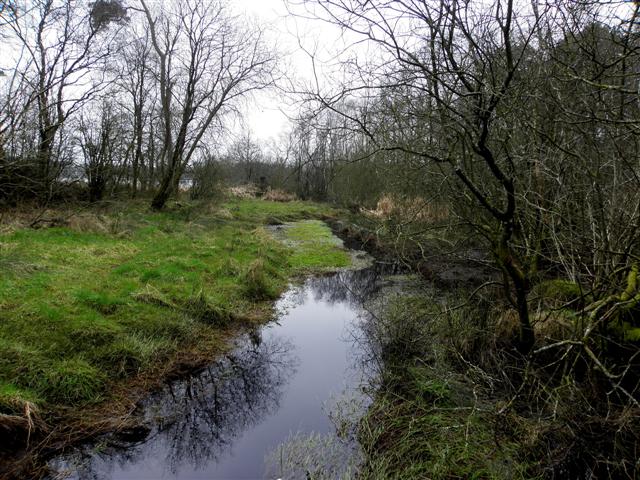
<point x="163" y="193"/>
<point x="521" y="286"/>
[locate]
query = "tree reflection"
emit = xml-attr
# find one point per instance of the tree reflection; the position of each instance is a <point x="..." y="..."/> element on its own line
<point x="194" y="422"/>
<point x="353" y="287"/>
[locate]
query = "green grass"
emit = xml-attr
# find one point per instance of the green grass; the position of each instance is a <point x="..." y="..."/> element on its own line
<point x="433" y="430"/>
<point x="81" y="309"/>
<point x="314" y="246"/>
<point x="432" y="417"/>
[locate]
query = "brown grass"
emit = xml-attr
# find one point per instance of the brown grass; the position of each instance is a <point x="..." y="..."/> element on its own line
<point x="19" y="428"/>
<point x="416" y="208"/>
<point x="244" y="191"/>
<point x="547" y="325"/>
<point x="30" y="216"/>
<point x="276" y="195"/>
<point x="552" y="325"/>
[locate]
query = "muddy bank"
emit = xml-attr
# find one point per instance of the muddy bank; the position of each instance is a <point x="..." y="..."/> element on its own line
<point x="28" y="447"/>
<point x="459" y="267"/>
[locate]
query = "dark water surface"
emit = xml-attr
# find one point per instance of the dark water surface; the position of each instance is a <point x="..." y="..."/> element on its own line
<point x="278" y="381"/>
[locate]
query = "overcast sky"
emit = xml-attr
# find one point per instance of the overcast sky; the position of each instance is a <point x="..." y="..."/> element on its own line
<point x="266" y="114"/>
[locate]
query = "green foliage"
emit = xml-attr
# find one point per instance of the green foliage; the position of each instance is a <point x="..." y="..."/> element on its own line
<point x="100" y="301"/>
<point x="70" y="381"/>
<point x="631" y="333"/>
<point x="131" y="353"/>
<point x="427" y="420"/>
<point x="255" y="211"/>
<point x="257" y="283"/>
<point x="201" y="309"/>
<point x="433" y="431"/>
<point x="13" y="399"/>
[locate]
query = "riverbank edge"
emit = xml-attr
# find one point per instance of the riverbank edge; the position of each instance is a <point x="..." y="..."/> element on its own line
<point x="415" y="402"/>
<point x="115" y="413"/>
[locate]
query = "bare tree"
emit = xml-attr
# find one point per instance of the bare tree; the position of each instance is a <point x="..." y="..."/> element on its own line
<point x="206" y="62"/>
<point x="456" y="62"/>
<point x="100" y="138"/>
<point x="525" y="114"/>
<point x="63" y="42"/>
<point x="247" y="154"/>
<point x="135" y="80"/>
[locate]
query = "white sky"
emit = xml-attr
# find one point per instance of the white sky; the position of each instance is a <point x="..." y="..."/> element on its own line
<point x="266" y="115"/>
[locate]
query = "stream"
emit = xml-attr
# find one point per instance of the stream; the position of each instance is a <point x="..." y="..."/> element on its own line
<point x="278" y="382"/>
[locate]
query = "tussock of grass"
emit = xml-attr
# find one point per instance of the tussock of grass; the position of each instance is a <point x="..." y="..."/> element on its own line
<point x="70" y="381"/>
<point x="107" y="298"/>
<point x="132" y="353"/>
<point x="200" y="308"/>
<point x="257" y="283"/>
<point x="19" y="416"/>
<point x="13" y="400"/>
<point x="102" y="302"/>
<point x="435" y="430"/>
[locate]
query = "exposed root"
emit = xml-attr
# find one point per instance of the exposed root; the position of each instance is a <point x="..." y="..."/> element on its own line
<point x="17" y="430"/>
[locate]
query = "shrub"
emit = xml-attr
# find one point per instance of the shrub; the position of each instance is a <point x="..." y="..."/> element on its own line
<point x="206" y="176"/>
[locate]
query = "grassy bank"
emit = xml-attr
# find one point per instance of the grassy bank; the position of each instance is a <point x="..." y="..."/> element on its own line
<point x="436" y="413"/>
<point x="116" y="292"/>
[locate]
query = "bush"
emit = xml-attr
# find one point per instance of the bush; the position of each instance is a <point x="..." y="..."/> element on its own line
<point x="206" y="178"/>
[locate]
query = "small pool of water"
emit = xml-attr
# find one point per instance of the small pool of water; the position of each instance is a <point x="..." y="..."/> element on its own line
<point x="278" y="381"/>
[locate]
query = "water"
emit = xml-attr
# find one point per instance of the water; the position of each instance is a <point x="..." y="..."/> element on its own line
<point x="278" y="381"/>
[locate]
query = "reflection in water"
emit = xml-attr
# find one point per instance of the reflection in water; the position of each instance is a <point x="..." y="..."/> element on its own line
<point x="353" y="287"/>
<point x="224" y="420"/>
<point x="196" y="420"/>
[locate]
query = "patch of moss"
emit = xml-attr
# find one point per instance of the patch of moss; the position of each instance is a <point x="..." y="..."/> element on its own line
<point x="558" y="291"/>
<point x="631" y="333"/>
